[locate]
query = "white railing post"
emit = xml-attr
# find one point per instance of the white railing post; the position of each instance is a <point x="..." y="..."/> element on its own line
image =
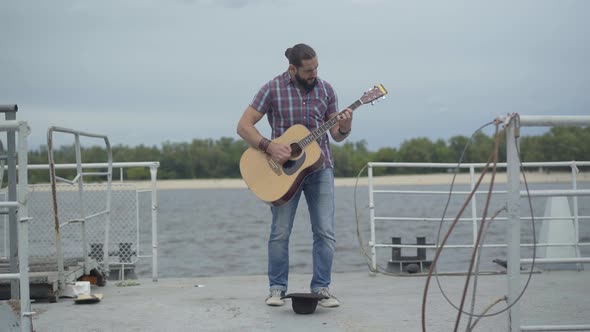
<point x="575" y="171"/>
<point x="154" y="177"/>
<point x="108" y="199"/>
<point x="473" y="203"/>
<point x="513" y="224"/>
<point x="372" y="220"/>
<point x="19" y="278"/>
<point x="81" y="206"/>
<point x="23" y="229"/>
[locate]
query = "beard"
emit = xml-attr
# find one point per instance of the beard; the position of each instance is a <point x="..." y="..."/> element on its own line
<point x="308" y="85"/>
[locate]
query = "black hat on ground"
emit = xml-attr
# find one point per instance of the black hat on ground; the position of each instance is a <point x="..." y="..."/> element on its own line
<point x="304" y="303"/>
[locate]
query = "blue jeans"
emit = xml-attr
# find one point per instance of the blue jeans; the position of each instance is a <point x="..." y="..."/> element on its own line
<point x="319" y="194"/>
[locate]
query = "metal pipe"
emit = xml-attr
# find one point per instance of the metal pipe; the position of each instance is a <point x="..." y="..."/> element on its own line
<point x="491" y="245"/>
<point x="557" y="260"/>
<point x="3" y="158"/>
<point x="96" y="165"/>
<point x="476" y="165"/>
<point x="108" y="204"/>
<point x="584" y="327"/>
<point x="23" y="229"/>
<point x="513" y="226"/>
<point x="575" y="171"/>
<point x="98" y="214"/>
<point x="137" y="224"/>
<point x="372" y="242"/>
<point x="82" y="205"/>
<point x="95" y="173"/>
<point x="524" y="193"/>
<point x="9" y="276"/>
<point x="56" y="223"/>
<point x="76" y="132"/>
<point x="153" y="177"/>
<point x="10" y="126"/>
<point x="71" y="221"/>
<point x="19" y="224"/>
<point x="8" y="108"/>
<point x="468" y="219"/>
<point x="554" y="120"/>
<point x="473" y="204"/>
<point x="564" y="192"/>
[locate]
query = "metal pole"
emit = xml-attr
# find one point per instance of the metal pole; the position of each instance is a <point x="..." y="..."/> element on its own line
<point x="11" y="108"/>
<point x="10" y="114"/>
<point x="107" y="227"/>
<point x="554" y="120"/>
<point x="82" y="209"/>
<point x="575" y="170"/>
<point x="513" y="223"/>
<point x="554" y="328"/>
<point x="23" y="241"/>
<point x="56" y="224"/>
<point x="154" y="176"/>
<point x="372" y="220"/>
<point x="473" y="204"/>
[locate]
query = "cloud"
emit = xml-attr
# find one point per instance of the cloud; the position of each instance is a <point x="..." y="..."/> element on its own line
<point x="367" y="2"/>
<point x="236" y="4"/>
<point x="448" y="66"/>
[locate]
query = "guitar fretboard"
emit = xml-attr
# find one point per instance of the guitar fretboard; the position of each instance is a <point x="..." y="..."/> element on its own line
<point x="317" y="133"/>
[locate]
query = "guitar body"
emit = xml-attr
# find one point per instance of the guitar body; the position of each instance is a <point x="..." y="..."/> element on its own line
<point x="274" y="183"/>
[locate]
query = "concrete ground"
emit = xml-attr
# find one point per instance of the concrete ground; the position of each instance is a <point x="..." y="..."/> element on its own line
<point x="379" y="303"/>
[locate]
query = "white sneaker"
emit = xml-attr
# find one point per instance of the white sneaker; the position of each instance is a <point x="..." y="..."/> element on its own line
<point x="274" y="298"/>
<point x="331" y="300"/>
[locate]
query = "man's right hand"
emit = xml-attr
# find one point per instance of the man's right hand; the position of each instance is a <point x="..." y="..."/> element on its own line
<point x="279" y="152"/>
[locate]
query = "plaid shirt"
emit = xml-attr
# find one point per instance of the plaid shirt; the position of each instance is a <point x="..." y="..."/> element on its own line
<point x="285" y="105"/>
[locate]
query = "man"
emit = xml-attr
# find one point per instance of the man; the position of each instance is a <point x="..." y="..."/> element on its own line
<point x="298" y="96"/>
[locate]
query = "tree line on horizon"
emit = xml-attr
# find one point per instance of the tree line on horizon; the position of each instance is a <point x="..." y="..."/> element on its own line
<point x="209" y="158"/>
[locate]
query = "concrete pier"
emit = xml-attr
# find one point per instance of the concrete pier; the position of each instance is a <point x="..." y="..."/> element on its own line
<point x="380" y="303"/>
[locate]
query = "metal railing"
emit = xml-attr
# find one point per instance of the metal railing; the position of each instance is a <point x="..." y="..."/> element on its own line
<point x="152" y="166"/>
<point x="22" y="223"/>
<point x="513" y="229"/>
<point x="513" y="194"/>
<point x="473" y="218"/>
<point x="83" y="217"/>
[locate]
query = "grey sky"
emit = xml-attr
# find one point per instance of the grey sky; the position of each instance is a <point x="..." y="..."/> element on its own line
<point x="150" y="71"/>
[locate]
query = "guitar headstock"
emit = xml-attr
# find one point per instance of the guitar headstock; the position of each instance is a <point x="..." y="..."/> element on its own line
<point x="377" y="92"/>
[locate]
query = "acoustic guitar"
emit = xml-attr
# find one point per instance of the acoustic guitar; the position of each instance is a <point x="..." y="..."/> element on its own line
<point x="275" y="183"/>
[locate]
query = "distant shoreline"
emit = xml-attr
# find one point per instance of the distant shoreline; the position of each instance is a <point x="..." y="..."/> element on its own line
<point x="413" y="179"/>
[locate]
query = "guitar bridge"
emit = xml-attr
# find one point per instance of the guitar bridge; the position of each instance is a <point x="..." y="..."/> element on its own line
<point x="274" y="165"/>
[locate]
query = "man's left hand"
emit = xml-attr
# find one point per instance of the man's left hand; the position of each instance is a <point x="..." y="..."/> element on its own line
<point x="345" y="120"/>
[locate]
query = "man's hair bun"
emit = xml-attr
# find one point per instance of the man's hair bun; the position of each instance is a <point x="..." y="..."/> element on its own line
<point x="298" y="53"/>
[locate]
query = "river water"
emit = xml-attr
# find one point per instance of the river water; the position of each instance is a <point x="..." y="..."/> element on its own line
<point x="213" y="232"/>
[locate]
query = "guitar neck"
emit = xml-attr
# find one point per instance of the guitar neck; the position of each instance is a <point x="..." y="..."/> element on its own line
<point x="317" y="133"/>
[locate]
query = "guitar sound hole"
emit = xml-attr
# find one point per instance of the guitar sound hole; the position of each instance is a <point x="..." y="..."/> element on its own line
<point x="295" y="151"/>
